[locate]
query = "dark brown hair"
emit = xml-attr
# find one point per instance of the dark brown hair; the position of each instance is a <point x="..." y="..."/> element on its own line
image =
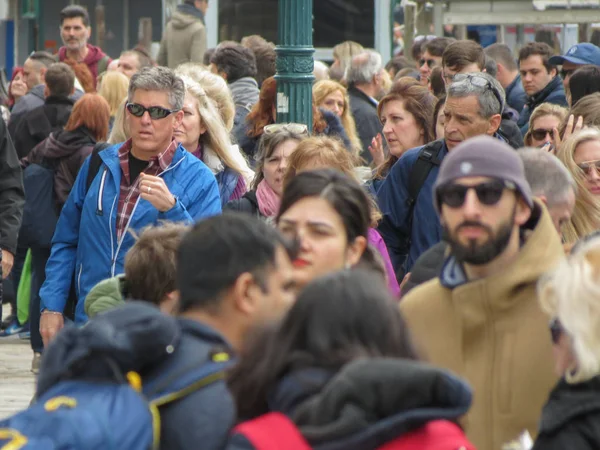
<point x="538" y="48"/>
<point x="437" y="46"/>
<point x="60" y="80"/>
<point x="419" y="102"/>
<point x="460" y="54"/>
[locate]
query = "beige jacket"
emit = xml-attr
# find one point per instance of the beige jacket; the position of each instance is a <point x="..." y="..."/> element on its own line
<point x="184" y="40"/>
<point x="493" y="333"/>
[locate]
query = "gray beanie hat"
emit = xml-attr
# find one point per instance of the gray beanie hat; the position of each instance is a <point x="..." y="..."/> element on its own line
<point x="483" y="156"/>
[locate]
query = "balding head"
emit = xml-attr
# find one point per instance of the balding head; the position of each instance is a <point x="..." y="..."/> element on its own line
<point x="364" y="68"/>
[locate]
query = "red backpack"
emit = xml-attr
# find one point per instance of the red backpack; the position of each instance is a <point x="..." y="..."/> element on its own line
<point x="274" y="431"/>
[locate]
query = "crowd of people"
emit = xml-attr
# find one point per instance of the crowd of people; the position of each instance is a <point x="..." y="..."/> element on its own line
<point x="417" y="268"/>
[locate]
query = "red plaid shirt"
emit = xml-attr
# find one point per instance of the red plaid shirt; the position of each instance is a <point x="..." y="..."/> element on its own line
<point x="130" y="191"/>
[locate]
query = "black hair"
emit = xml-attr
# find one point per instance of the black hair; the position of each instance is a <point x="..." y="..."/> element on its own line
<point x="207" y="55"/>
<point x="584" y="81"/>
<point x="217" y="251"/>
<point x="235" y="60"/>
<point x="538" y="48"/>
<point x="437" y="46"/>
<point x="73" y="11"/>
<point x="344" y="195"/>
<point x="336" y="319"/>
<point x="60" y="80"/>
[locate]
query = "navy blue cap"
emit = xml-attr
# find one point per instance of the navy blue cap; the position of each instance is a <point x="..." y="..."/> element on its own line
<point x="584" y="53"/>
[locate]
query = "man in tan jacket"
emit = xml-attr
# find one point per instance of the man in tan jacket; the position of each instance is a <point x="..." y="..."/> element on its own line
<point x="184" y="39"/>
<point x="481" y="318"/>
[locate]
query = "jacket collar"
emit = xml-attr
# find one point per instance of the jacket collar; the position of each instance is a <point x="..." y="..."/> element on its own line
<point x="512" y="85"/>
<point x="540" y="250"/>
<point x="540" y="97"/>
<point x="357" y="92"/>
<point x="58" y="100"/>
<point x="191" y="10"/>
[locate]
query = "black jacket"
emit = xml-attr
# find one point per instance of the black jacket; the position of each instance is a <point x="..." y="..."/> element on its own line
<point x="367" y="121"/>
<point x="427" y="267"/>
<point x="248" y="204"/>
<point x="571" y="418"/>
<point x="40" y="122"/>
<point x="511" y="132"/>
<point x="12" y="195"/>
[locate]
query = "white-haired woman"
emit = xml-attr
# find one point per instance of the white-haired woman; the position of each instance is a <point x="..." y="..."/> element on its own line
<point x="203" y="134"/>
<point x="570" y="295"/>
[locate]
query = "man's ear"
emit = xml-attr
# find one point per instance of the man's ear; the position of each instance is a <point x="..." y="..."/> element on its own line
<point x="543" y="199"/>
<point x="243" y="294"/>
<point x="494" y="124"/>
<point x="554" y="72"/>
<point x="178" y="119"/>
<point x="522" y="213"/>
<point x="43" y="71"/>
<point x="46" y="91"/>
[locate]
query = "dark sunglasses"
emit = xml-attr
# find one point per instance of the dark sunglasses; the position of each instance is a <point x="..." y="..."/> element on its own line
<point x="556" y="330"/>
<point x="564" y="73"/>
<point x="540" y="133"/>
<point x="430" y="63"/>
<point x="155" y="112"/>
<point x="589" y="165"/>
<point x="488" y="193"/>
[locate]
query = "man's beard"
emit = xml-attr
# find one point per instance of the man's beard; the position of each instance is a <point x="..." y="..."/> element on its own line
<point x="480" y="254"/>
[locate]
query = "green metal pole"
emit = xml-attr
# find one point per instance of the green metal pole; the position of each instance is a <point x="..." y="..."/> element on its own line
<point x="295" y="62"/>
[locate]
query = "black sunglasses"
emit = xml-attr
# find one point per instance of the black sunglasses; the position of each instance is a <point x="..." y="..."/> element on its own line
<point x="155" y="112"/>
<point x="430" y="63"/>
<point x="564" y="73"/>
<point x="556" y="330"/>
<point x="482" y="82"/>
<point x="540" y="133"/>
<point x="488" y="193"/>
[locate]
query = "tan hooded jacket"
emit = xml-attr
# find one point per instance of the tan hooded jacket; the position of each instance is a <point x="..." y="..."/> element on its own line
<point x="184" y="40"/>
<point x="493" y="333"/>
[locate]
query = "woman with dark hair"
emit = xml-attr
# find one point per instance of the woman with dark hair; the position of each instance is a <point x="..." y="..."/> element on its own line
<point x="265" y="113"/>
<point x="584" y="81"/>
<point x="438" y="119"/>
<point x="341" y="371"/>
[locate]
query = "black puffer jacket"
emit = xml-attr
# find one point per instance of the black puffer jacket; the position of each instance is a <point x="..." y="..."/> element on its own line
<point x="427" y="267"/>
<point x="571" y="418"/>
<point x="248" y="204"/>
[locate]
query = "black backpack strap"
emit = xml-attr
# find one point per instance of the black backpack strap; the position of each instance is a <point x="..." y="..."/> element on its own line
<point x="427" y="160"/>
<point x="95" y="163"/>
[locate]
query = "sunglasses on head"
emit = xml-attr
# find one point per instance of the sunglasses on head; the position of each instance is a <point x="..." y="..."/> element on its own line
<point x="488" y="193"/>
<point x="298" y="128"/>
<point x="430" y="62"/>
<point x="556" y="330"/>
<point x="588" y="166"/>
<point x="479" y="81"/>
<point x="155" y="112"/>
<point x="540" y="134"/>
<point x="564" y="73"/>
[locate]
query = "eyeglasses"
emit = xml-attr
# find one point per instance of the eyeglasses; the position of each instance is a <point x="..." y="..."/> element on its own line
<point x="430" y="62"/>
<point x="155" y="112"/>
<point x="297" y="128"/>
<point x="479" y="81"/>
<point x="488" y="193"/>
<point x="564" y="73"/>
<point x="588" y="166"/>
<point x="556" y="330"/>
<point x="540" y="133"/>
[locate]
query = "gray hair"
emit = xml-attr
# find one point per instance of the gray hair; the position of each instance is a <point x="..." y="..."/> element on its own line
<point x="159" y="79"/>
<point x="364" y="67"/>
<point x="547" y="175"/>
<point x="465" y="85"/>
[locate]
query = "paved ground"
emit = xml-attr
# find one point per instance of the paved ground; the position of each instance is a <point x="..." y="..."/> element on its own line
<point x="16" y="379"/>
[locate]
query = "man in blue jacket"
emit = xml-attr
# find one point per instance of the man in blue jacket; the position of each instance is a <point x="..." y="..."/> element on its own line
<point x="149" y="178"/>
<point x="540" y="80"/>
<point x="473" y="107"/>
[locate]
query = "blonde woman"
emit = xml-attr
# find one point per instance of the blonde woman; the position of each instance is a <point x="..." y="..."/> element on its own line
<point x="113" y="88"/>
<point x="580" y="153"/>
<point x="544" y="124"/>
<point x="332" y="96"/>
<point x="215" y="87"/>
<point x="203" y="134"/>
<point x="120" y="130"/>
<point x="342" y="55"/>
<point x="569" y="295"/>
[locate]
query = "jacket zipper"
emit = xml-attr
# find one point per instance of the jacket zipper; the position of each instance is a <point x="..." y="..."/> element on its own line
<point x="79" y="279"/>
<point x="99" y="210"/>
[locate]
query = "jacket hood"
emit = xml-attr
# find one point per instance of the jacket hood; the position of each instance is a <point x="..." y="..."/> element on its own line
<point x="63" y="143"/>
<point x="245" y="92"/>
<point x="94" y="55"/>
<point x="214" y="163"/>
<point x="370" y="402"/>
<point x="538" y="254"/>
<point x="567" y="402"/>
<point x="185" y="16"/>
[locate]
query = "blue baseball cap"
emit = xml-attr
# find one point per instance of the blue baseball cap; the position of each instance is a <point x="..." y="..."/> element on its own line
<point x="584" y="53"/>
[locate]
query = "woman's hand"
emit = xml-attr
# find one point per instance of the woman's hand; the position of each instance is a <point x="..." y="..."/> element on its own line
<point x="572" y="128"/>
<point x="376" y="150"/>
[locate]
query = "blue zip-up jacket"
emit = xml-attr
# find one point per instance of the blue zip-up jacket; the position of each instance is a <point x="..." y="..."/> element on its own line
<point x="392" y="197"/>
<point x="515" y="94"/>
<point x="554" y="93"/>
<point x="85" y="241"/>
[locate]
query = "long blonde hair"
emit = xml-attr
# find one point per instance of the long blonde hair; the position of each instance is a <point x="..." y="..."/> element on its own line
<point x="570" y="293"/>
<point x="216" y="136"/>
<point x="113" y="88"/>
<point x="120" y="130"/>
<point x="586" y="216"/>
<point x="545" y="109"/>
<point x="323" y="88"/>
<point x="215" y="87"/>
